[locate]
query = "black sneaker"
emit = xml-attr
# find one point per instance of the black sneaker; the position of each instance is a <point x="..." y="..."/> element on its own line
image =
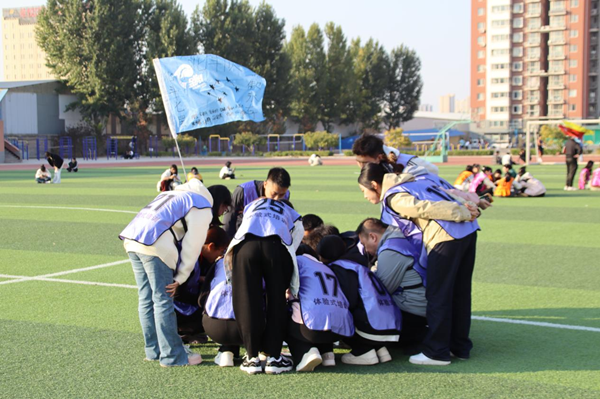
<point x="277" y="366"/>
<point x="251" y="365"/>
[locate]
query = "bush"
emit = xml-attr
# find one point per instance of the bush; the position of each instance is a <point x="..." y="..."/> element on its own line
<point x="395" y="139"/>
<point x="215" y="154"/>
<point x="470" y="152"/>
<point x="297" y="153"/>
<point x="320" y="140"/>
<point x="186" y="143"/>
<point x="249" y="140"/>
<point x="348" y="153"/>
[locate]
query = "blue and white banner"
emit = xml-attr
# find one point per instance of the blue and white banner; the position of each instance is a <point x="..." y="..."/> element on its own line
<point x="207" y="90"/>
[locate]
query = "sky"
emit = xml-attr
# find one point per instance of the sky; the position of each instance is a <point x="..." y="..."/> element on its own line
<point x="438" y="30"/>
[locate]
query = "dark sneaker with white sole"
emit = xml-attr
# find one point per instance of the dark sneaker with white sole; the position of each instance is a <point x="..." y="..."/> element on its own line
<point x="278" y="366"/>
<point x="251" y="365"/>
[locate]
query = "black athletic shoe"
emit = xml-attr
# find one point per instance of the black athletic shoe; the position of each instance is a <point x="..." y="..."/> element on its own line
<point x="251" y="365"/>
<point x="277" y="366"/>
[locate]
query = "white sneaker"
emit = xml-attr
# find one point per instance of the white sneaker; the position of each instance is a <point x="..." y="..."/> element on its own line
<point x="251" y="365"/>
<point x="384" y="355"/>
<point x="224" y="359"/>
<point x="566" y="188"/>
<point x="278" y="366"/>
<point x="194" y="359"/>
<point x="572" y="189"/>
<point x="310" y="360"/>
<point x="424" y="360"/>
<point x="368" y="359"/>
<point x="328" y="359"/>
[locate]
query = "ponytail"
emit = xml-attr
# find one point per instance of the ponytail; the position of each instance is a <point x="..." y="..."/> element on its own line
<point x="374" y="172"/>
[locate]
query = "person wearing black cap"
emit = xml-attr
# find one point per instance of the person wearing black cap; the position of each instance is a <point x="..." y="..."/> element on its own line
<point x="373" y="328"/>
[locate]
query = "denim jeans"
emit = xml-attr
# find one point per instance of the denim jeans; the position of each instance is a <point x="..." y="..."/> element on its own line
<point x="157" y="315"/>
<point x="57" y="173"/>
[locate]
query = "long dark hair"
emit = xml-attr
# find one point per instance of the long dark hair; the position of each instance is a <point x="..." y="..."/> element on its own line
<point x="221" y="196"/>
<point x="589" y="165"/>
<point x="372" y="172"/>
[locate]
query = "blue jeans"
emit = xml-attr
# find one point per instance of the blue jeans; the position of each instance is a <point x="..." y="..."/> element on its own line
<point x="157" y="315"/>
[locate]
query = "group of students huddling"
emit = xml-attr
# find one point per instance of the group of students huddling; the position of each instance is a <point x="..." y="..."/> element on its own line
<point x="483" y="181"/>
<point x="270" y="275"/>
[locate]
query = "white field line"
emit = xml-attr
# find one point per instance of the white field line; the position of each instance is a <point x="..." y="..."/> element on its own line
<point x="536" y="323"/>
<point x="68" y="208"/>
<point x="83" y="269"/>
<point x="58" y="280"/>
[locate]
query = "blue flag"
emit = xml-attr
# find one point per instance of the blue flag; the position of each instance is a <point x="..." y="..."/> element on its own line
<point x="207" y="90"/>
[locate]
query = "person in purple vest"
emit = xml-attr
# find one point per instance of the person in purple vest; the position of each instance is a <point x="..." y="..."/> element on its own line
<point x="320" y="314"/>
<point x="397" y="266"/>
<point x="449" y="233"/>
<point x="163" y="242"/>
<point x="189" y="314"/>
<point x="377" y="320"/>
<point x="275" y="187"/>
<point x="264" y="249"/>
<point x="370" y="148"/>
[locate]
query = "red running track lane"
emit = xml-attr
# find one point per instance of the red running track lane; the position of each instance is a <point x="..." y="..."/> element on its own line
<point x="338" y="161"/>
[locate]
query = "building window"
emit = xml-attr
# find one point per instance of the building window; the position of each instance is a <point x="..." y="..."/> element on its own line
<point x="479" y="82"/>
<point x="481" y="40"/>
<point x="497" y="9"/>
<point x="517" y="66"/>
<point x="518" y="8"/>
<point x="558" y="22"/>
<point x="501" y="51"/>
<point x="573" y="33"/>
<point x="500" y="23"/>
<point x="479" y="96"/>
<point x="480" y="68"/>
<point x="481" y="54"/>
<point x="518" y="23"/>
<point x="517" y="80"/>
<point x="517" y="109"/>
<point x="480" y="11"/>
<point x="500" y="66"/>
<point x="481" y="26"/>
<point x="517" y="37"/>
<point x="500" y="38"/>
<point x="517" y="52"/>
<point x="573" y="48"/>
<point x="497" y="110"/>
<point x="572" y="78"/>
<point x="574" y="18"/>
<point x="574" y="3"/>
<point x="572" y="63"/>
<point x="572" y="93"/>
<point x="517" y="95"/>
<point x="534" y="23"/>
<point x="572" y="107"/>
<point x="500" y="95"/>
<point x="498" y="81"/>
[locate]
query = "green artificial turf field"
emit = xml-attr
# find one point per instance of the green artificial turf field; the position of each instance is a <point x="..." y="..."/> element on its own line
<point x="537" y="261"/>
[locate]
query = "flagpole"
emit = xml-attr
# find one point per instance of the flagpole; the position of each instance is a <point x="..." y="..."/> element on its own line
<point x="180" y="158"/>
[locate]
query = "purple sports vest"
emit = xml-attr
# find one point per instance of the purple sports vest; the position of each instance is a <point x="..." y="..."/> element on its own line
<point x="161" y="214"/>
<point x="406" y="248"/>
<point x="251" y="194"/>
<point x="381" y="311"/>
<point x="426" y="190"/>
<point x="267" y="217"/>
<point x="191" y="286"/>
<point x="404" y="159"/>
<point x="219" y="304"/>
<point x="323" y="304"/>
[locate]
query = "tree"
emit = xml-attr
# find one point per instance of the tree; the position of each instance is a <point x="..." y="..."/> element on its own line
<point x="371" y="65"/>
<point x="339" y="75"/>
<point x="394" y="138"/>
<point x="403" y="91"/>
<point x="552" y="136"/>
<point x="94" y="46"/>
<point x="249" y="140"/>
<point x="166" y="34"/>
<point x="320" y="140"/>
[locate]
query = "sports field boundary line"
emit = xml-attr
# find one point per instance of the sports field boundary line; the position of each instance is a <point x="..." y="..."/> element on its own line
<point x="83" y="269"/>
<point x="536" y="323"/>
<point x="60" y="280"/>
<point x="68" y="208"/>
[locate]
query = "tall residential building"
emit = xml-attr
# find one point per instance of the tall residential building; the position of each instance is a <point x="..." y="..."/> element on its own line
<point x="533" y="60"/>
<point x="426" y="108"/>
<point x="447" y="103"/>
<point x="23" y="59"/>
<point x="463" y="106"/>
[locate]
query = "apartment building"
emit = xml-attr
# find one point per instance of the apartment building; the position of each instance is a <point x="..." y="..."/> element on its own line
<point x="531" y="60"/>
<point x="23" y="59"/>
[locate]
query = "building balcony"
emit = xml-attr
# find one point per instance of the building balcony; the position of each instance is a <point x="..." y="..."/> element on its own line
<point x="594" y="11"/>
<point x="556" y="57"/>
<point x="531" y="88"/>
<point x="552" y="28"/>
<point x="593" y="73"/>
<point x="535" y="73"/>
<point x="532" y="1"/>
<point x="532" y="30"/>
<point x="526" y="44"/>
<point x="556" y="115"/>
<point x="559" y="42"/>
<point x="556" y="100"/>
<point x="561" y="11"/>
<point x="556" y="86"/>
<point x="533" y="14"/>
<point x="594" y="29"/>
<point x="531" y="101"/>
<point x="556" y="72"/>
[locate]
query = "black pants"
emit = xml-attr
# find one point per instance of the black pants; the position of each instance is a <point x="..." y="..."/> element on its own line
<point x="449" y="274"/>
<point x="255" y="259"/>
<point x="414" y="329"/>
<point x="224" y="332"/>
<point x="189" y="325"/>
<point x="571" y="170"/>
<point x="300" y="339"/>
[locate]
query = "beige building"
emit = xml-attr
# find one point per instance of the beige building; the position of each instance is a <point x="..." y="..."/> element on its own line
<point x="447" y="103"/>
<point x="23" y="59"/>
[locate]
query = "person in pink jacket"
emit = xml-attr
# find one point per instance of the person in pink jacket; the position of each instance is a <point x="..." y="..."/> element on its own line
<point x="595" y="184"/>
<point x="584" y="176"/>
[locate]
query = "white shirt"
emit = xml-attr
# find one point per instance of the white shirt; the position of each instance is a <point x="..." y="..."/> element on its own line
<point x="506" y="159"/>
<point x="225" y="171"/>
<point x="40" y="175"/>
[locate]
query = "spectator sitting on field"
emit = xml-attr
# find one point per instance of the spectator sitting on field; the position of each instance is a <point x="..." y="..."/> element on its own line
<point x="530" y="186"/>
<point x="168" y="180"/>
<point x="73" y="166"/>
<point x="315" y="160"/>
<point x="227" y="172"/>
<point x="42" y="175"/>
<point x="498" y="158"/>
<point x="507" y="168"/>
<point x="194" y="174"/>
<point x="463" y="180"/>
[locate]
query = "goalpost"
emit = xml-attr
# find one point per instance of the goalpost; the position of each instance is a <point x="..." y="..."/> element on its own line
<point x="532" y="124"/>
